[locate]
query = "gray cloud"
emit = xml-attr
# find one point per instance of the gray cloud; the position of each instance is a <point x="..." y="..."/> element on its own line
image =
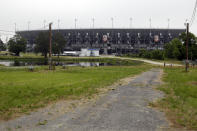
<point x="36" y="11"/>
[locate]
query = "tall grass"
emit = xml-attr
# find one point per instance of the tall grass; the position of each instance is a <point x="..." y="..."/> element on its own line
<point x="180" y="102"/>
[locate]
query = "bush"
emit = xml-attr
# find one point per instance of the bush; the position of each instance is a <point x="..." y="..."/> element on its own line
<point x="175" y="49"/>
<point x="154" y="54"/>
<point x="157" y="54"/>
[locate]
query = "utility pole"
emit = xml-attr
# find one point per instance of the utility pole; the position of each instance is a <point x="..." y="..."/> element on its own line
<point x="50" y="46"/>
<point x="187" y="42"/>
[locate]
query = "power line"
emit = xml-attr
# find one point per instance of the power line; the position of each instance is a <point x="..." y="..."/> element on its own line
<point x="6" y="34"/>
<point x="193" y="14"/>
<point x="42" y="28"/>
<point x="7" y="25"/>
<point x="7" y="31"/>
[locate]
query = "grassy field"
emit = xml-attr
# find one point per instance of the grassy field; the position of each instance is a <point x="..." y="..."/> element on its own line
<point x="22" y="91"/>
<point x="180" y="103"/>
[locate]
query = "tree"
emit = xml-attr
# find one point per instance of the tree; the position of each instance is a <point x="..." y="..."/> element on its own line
<point x="168" y="49"/>
<point x="192" y="45"/>
<point x="2" y="46"/>
<point x="151" y="54"/>
<point x="58" y="43"/>
<point x="42" y="43"/>
<point x="174" y="49"/>
<point x="17" y="44"/>
<point x="191" y="36"/>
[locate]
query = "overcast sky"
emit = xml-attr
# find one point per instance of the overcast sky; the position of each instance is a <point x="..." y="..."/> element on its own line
<point x="36" y="11"/>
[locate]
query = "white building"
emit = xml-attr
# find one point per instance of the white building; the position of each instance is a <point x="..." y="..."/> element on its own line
<point x="89" y="52"/>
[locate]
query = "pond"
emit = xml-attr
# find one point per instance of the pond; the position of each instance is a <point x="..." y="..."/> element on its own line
<point x="9" y="63"/>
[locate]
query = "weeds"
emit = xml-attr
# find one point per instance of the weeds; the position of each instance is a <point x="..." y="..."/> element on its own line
<point x="180" y="102"/>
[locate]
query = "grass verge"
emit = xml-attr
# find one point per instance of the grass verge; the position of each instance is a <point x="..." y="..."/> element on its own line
<point x="180" y="102"/>
<point x="22" y="91"/>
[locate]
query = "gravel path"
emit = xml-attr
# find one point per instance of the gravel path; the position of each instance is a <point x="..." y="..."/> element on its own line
<point x="123" y="109"/>
<point x="153" y="62"/>
<point x="146" y="61"/>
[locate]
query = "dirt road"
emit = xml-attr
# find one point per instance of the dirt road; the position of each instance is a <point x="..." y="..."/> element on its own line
<point x="149" y="61"/>
<point x="123" y="109"/>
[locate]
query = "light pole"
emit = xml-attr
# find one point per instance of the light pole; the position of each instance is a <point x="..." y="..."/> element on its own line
<point x="131" y="19"/>
<point x="58" y="24"/>
<point x="28" y="23"/>
<point x="44" y="24"/>
<point x="15" y="27"/>
<point x="168" y="23"/>
<point x="93" y="20"/>
<point x="112" y="21"/>
<point x="150" y="23"/>
<point x="75" y="23"/>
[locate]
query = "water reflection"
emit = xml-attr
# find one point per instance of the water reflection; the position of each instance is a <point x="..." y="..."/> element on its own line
<point x="57" y="63"/>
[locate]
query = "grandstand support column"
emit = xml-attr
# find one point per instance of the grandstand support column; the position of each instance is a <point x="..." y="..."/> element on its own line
<point x="105" y="51"/>
<point x="105" y="48"/>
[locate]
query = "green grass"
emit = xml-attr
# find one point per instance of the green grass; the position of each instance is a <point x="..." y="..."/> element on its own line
<point x="180" y="102"/>
<point x="22" y="91"/>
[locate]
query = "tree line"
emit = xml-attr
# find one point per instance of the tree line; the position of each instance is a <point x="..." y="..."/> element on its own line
<point x="175" y="49"/>
<point x="18" y="44"/>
